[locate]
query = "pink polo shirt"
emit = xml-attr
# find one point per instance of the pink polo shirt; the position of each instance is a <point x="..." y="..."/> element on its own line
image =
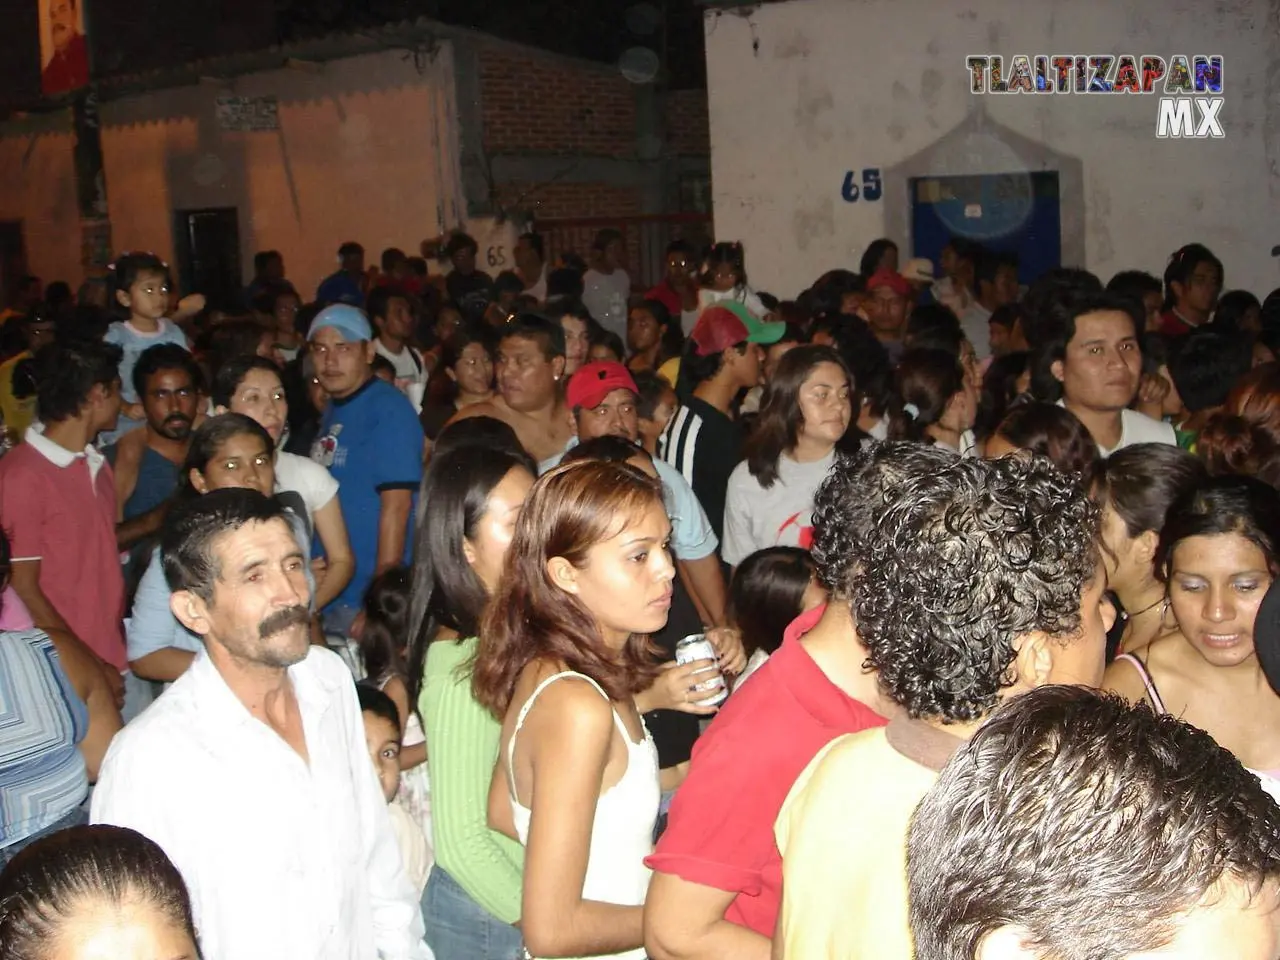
<point x="59" y="507"/>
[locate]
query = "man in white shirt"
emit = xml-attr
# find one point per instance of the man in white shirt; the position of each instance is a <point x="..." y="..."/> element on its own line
<point x="531" y="265"/>
<point x="606" y="286"/>
<point x="251" y="771"/>
<point x="1091" y="348"/>
<point x="996" y="278"/>
<point x="391" y="313"/>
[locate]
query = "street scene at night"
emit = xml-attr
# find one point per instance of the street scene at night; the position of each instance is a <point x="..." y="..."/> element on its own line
<point x="639" y="479"/>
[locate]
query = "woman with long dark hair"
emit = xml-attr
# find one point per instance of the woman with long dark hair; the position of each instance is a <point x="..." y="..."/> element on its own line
<point x="806" y="410"/>
<point x="466" y="360"/>
<point x="933" y="402"/>
<point x="475" y="493"/>
<point x="1218" y="554"/>
<point x="653" y="337"/>
<point x="1135" y="488"/>
<point x="564" y="650"/>
<point x="770" y="589"/>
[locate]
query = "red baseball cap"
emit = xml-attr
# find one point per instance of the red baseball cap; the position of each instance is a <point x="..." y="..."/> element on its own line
<point x="727" y="323"/>
<point x="888" y="278"/>
<point x="594" y="381"/>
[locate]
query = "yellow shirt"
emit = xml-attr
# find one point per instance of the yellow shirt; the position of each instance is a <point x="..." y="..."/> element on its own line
<point x="670" y="371"/>
<point x="18" y="414"/>
<point x="842" y="832"/>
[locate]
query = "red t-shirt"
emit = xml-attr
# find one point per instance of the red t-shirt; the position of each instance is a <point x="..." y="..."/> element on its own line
<point x="66" y="518"/>
<point x="1172" y="325"/>
<point x="666" y="295"/>
<point x="720" y="827"/>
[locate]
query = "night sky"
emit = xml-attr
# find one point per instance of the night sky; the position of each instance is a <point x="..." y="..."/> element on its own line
<point x="134" y="36"/>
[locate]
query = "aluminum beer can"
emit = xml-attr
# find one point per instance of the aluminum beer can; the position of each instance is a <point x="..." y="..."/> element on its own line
<point x="696" y="646"/>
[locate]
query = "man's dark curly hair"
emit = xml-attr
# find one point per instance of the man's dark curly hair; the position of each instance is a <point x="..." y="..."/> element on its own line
<point x="962" y="562"/>
<point x="1093" y="825"/>
<point x="856" y="491"/>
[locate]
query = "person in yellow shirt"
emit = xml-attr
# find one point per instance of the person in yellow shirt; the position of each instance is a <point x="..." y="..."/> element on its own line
<point x="26" y="297"/>
<point x="1076" y="825"/>
<point x="984" y="582"/>
<point x="17" y="389"/>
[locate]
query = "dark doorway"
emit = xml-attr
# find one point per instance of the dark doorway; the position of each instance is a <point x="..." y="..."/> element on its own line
<point x="208" y="251"/>
<point x="13" y="259"/>
<point x="1006" y="212"/>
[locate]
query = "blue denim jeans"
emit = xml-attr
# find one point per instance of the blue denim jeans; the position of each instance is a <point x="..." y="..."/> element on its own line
<point x="78" y="816"/>
<point x="458" y="928"/>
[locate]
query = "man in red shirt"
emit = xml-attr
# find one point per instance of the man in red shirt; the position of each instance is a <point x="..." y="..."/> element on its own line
<point x="717" y="880"/>
<point x="58" y="505"/>
<point x="1192" y="282"/>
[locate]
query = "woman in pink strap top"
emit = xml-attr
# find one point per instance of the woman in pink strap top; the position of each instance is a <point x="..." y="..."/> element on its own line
<point x="1219" y="552"/>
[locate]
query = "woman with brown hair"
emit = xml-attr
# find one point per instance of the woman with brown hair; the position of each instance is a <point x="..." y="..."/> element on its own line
<point x="806" y="410"/>
<point x="1244" y="437"/>
<point x="563" y="652"/>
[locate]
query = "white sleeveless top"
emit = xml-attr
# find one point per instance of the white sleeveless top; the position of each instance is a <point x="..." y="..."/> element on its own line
<point x="622" y="832"/>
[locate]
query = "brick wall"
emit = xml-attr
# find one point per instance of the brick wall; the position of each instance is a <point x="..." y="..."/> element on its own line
<point x="573" y="200"/>
<point x="576" y="201"/>
<point x="537" y="103"/>
<point x="688" y="129"/>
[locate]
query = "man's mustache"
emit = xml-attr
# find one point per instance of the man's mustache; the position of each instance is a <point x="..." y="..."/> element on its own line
<point x="282" y="620"/>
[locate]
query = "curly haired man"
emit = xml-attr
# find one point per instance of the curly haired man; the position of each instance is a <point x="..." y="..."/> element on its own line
<point x="980" y="581"/>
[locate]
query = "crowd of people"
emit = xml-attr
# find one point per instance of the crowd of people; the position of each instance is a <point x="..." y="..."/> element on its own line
<point x="439" y="615"/>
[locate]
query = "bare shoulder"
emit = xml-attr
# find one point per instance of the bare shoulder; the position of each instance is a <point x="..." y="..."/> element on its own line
<point x="1122" y="678"/>
<point x="570" y="710"/>
<point x="486" y="409"/>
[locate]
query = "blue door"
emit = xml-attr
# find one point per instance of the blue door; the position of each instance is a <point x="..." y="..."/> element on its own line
<point x="1007" y="212"/>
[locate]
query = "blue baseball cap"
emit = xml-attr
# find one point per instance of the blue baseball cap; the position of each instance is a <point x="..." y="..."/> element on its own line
<point x="348" y="321"/>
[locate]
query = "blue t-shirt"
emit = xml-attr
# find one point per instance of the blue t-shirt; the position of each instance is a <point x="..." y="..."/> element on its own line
<point x="157" y="480"/>
<point x="371" y="442"/>
<point x="340" y="287"/>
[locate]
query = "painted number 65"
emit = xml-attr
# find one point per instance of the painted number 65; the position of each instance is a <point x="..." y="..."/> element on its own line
<point x="870" y="190"/>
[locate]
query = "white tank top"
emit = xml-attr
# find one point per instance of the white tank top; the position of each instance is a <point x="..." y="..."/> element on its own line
<point x="622" y="831"/>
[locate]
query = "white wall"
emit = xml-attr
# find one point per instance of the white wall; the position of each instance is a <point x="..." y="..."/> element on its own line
<point x="355" y="159"/>
<point x="833" y="85"/>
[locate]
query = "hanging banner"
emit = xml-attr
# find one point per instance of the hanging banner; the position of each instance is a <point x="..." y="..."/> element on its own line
<point x="64" y="51"/>
<point x="248" y="114"/>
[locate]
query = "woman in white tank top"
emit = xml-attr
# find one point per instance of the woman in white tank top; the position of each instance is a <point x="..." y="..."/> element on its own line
<point x="563" y="651"/>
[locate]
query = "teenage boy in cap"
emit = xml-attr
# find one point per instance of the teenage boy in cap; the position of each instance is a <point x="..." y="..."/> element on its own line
<point x="889" y="296"/>
<point x="602" y="400"/>
<point x="371" y="441"/>
<point x="724" y="356"/>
